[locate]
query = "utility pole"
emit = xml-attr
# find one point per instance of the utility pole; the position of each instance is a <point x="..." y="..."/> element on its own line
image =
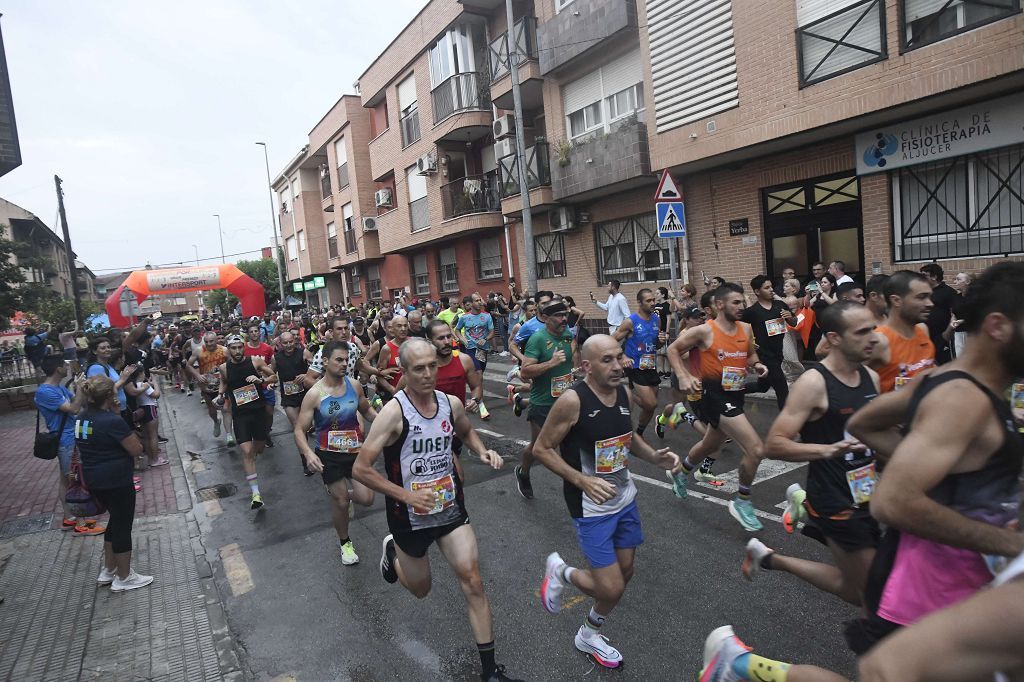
<point x="273" y="225"/>
<point x="221" y="233"/>
<point x="524" y="186"/>
<point x="68" y="253"/>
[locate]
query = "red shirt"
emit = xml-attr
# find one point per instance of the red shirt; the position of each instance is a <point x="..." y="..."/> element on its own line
<point x="263" y="350"/>
<point x="451" y="378"/>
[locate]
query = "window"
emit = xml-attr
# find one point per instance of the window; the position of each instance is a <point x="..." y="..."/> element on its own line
<point x="631" y="251"/>
<point x="455" y="52"/>
<point x="341" y="155"/>
<point x="373" y="282"/>
<point x="350" y="232"/>
<point x="449" y="270"/>
<point x="332" y="240"/>
<point x="286" y="200"/>
<point x="562" y="4"/>
<point x="420" y="278"/>
<point x="408" y="111"/>
<point x="837" y="36"/>
<point x="302" y="240"/>
<point x="296" y="187"/>
<point x="353" y="281"/>
<point x="290" y="246"/>
<point x="964" y="207"/>
<point x="419" y="211"/>
<point x="549" y="251"/>
<point x="625" y="102"/>
<point x="378" y="118"/>
<point x="927" y="21"/>
<point x="585" y="120"/>
<point x="488" y="258"/>
<point x="603" y="95"/>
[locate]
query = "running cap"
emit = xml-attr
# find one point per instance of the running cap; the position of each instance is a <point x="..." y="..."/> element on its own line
<point x="554" y="308"/>
<point x="233" y="339"/>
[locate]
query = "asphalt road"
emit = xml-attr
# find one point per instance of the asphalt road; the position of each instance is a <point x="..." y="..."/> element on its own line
<point x="298" y="613"/>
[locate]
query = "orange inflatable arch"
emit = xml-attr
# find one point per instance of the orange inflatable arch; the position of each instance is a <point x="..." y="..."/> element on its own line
<point x="146" y="283"/>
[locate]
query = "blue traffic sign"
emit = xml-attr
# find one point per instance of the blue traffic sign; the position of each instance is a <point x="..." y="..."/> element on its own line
<point x="671" y="219"/>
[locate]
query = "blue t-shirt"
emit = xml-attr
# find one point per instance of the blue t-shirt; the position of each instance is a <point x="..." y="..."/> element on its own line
<point x="96" y="369"/>
<point x="48" y="399"/>
<point x="105" y="463"/>
<point x="478" y="327"/>
<point x="528" y="329"/>
<point x="34" y="348"/>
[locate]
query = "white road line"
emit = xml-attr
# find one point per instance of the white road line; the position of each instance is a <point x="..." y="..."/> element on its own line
<point x="489" y="433"/>
<point x="701" y="496"/>
<point x="769" y="468"/>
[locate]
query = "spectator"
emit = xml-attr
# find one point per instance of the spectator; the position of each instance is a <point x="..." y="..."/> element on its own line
<point x="838" y="270"/>
<point x="687" y="299"/>
<point x="107" y="448"/>
<point x="817" y="271"/>
<point x="35" y="345"/>
<point x="944" y="299"/>
<point x="616" y="306"/>
<point x="101" y="354"/>
<point x="573" y="321"/>
<point x="715" y="282"/>
<point x="788" y="273"/>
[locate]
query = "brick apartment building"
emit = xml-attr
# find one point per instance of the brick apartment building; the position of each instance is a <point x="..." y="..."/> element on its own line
<point x="883" y="133"/>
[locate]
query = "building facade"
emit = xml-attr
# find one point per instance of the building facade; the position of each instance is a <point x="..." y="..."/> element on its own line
<point x="43" y="259"/>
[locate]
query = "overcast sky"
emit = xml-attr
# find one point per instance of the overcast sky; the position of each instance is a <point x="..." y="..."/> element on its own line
<point x="149" y="113"/>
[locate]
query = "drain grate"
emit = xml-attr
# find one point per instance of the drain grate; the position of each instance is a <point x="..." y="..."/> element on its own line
<point x="215" y="492"/>
<point x="23" y="526"/>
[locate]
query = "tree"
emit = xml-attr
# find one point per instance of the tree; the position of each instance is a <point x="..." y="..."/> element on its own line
<point x="265" y="272"/>
<point x="10" y="277"/>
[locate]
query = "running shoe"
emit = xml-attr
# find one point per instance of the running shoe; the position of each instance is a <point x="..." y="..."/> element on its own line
<point x="484" y="413"/>
<point x="216" y="429"/>
<point x="68" y="524"/>
<point x="377" y="403"/>
<point x="721" y="649"/>
<point x="202" y="401"/>
<point x="794" y="512"/>
<point x="231" y="440"/>
<point x="678" y="414"/>
<point x="177" y="387"/>
<point x="348" y="554"/>
<point x="307" y="472"/>
<point x="659" y="426"/>
<point x="678" y="483"/>
<point x="708" y="478"/>
<point x="161" y="439"/>
<point x="256" y="503"/>
<point x="189" y="393"/>
<point x="552" y="586"/>
<point x="105" y="577"/>
<point x="512" y="374"/>
<point x="269" y="441"/>
<point x="387" y="560"/>
<point x="743" y="511"/>
<point x="133" y="582"/>
<point x="89" y="527"/>
<point x="499" y="675"/>
<point x="756" y="551"/>
<point x="597" y="647"/>
<point x="510" y="391"/>
<point x="523" y="483"/>
<point x="517" y="405"/>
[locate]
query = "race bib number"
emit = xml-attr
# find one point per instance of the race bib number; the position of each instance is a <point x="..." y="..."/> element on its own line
<point x="481" y="355"/>
<point x="862" y="483"/>
<point x="775" y="327"/>
<point x="444" y="493"/>
<point x="647" y="361"/>
<point x="1017" y="397"/>
<point x="901" y="382"/>
<point x="612" y="454"/>
<point x="291" y="388"/>
<point x="734" y="378"/>
<point x="343" y="441"/>
<point x="246" y="394"/>
<point x="560" y="385"/>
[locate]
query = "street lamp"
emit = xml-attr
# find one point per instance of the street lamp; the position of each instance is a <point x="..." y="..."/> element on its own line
<point x="273" y="224"/>
<point x="221" y="233"/>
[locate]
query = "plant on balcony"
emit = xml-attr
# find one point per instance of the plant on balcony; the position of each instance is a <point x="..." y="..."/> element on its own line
<point x="563" y="148"/>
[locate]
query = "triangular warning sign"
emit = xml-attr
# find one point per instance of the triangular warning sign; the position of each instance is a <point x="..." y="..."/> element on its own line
<point x="667" y="189"/>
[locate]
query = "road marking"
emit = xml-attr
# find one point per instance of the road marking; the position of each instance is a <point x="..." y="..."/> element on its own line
<point x="490" y="433"/>
<point x="236" y="570"/>
<point x="701" y="496"/>
<point x="213" y="508"/>
<point x="768" y="469"/>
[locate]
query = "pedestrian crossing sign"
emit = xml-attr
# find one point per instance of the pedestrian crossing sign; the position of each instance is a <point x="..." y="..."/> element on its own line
<point x="671" y="219"/>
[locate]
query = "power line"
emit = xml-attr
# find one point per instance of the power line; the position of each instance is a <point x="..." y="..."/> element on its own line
<point x="168" y="265"/>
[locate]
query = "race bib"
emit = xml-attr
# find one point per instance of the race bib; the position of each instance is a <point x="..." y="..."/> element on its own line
<point x="862" y="483"/>
<point x="775" y="327"/>
<point x="444" y="493"/>
<point x="647" y="361"/>
<point x="246" y="394"/>
<point x="291" y="388"/>
<point x="733" y="378"/>
<point x="901" y="382"/>
<point x="1017" y="397"/>
<point x="481" y="355"/>
<point x="560" y="385"/>
<point x="343" y="441"/>
<point x="612" y="454"/>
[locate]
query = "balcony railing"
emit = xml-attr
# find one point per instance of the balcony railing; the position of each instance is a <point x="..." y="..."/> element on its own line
<point x="419" y="214"/>
<point x="410" y="125"/>
<point x="538" y="170"/>
<point x="325" y="185"/>
<point x="524" y="43"/>
<point x="343" y="175"/>
<point x="332" y="247"/>
<point x="350" y="241"/>
<point x="473" y="194"/>
<point x="460" y="92"/>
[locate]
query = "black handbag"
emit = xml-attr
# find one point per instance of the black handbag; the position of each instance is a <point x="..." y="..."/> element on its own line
<point x="48" y="444"/>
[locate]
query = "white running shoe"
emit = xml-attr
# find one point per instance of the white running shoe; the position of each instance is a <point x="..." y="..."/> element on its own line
<point x="551" y="588"/>
<point x="133" y="582"/>
<point x="512" y="374"/>
<point x="106" y="577"/>
<point x="756" y="550"/>
<point x="598" y="648"/>
<point x="721" y="648"/>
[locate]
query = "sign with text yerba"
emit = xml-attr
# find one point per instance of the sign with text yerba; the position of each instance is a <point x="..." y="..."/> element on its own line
<point x="975" y="128"/>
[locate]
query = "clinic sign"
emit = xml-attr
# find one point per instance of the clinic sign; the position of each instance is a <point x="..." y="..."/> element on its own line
<point x="975" y="128"/>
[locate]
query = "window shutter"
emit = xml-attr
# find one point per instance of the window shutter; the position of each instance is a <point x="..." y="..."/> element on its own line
<point x="622" y="73"/>
<point x="416" y="183"/>
<point x="808" y="11"/>
<point x="407" y="92"/>
<point x="581" y="92"/>
<point x="917" y="9"/>
<point x="340" y="152"/>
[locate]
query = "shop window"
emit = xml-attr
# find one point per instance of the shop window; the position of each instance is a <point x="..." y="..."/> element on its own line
<point x="928" y="21"/>
<point x="549" y="252"/>
<point x="630" y="250"/>
<point x="839" y="36"/>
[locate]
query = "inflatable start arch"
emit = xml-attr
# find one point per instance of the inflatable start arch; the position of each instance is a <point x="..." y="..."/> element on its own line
<point x="146" y="283"/>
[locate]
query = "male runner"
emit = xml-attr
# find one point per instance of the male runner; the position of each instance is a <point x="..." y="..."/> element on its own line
<point x="388" y="358"/>
<point x="290" y="364"/>
<point x="331" y="406"/>
<point x="591" y="426"/>
<point x="904" y="349"/>
<point x="841" y="475"/>
<point x="254" y="347"/>
<point x="451" y="311"/>
<point x="874" y="298"/>
<point x="476" y="329"/>
<point x="189" y="346"/>
<point x="240" y="381"/>
<point x="768" y="318"/>
<point x="727" y="354"/>
<point x="209" y="358"/>
<point x="423" y="490"/>
<point x="640" y="333"/>
<point x="416" y="329"/>
<point x="548" y="362"/>
<point x="455" y="370"/>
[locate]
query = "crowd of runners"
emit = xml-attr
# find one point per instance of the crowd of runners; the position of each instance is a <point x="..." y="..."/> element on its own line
<point x="907" y="411"/>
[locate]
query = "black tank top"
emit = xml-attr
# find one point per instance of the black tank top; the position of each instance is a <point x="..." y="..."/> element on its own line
<point x="828" y="484"/>
<point x="290" y="366"/>
<point x="992" y="493"/>
<point x="245" y="397"/>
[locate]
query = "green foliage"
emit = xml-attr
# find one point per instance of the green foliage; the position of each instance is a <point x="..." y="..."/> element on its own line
<point x="10" y="277"/>
<point x="265" y="272"/>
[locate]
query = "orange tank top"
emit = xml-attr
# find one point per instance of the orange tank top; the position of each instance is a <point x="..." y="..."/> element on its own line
<point x="725" y="360"/>
<point x="209" y="361"/>
<point x="907" y="357"/>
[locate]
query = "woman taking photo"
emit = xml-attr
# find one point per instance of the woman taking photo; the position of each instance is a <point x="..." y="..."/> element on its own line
<point x="100" y="363"/>
<point x="108" y="447"/>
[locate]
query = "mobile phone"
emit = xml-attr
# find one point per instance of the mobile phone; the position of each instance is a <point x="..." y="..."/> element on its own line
<point x="707" y="280"/>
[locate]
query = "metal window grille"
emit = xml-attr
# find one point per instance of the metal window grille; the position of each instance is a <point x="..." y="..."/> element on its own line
<point x="549" y="250"/>
<point x="631" y="251"/>
<point x="843" y="41"/>
<point x="449" y="270"/>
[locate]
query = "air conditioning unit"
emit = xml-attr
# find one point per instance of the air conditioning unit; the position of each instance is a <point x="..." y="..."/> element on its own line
<point x="563" y="219"/>
<point x="504" y="126"/>
<point x="426" y="165"/>
<point x="506" y="147"/>
<point x="369" y="224"/>
<point x="382" y="198"/>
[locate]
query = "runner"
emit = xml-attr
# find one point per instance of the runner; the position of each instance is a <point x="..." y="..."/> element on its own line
<point x="290" y="364"/>
<point x="548" y="363"/>
<point x="331" y="406"/>
<point x="388" y="358"/>
<point x="240" y="380"/>
<point x="841" y="475"/>
<point x="642" y="336"/>
<point x="769" y="318"/>
<point x="454" y="372"/>
<point x="874" y="298"/>
<point x="476" y="330"/>
<point x="423" y="489"/>
<point x="726" y="348"/>
<point x="254" y="347"/>
<point x="904" y="349"/>
<point x="189" y="347"/>
<point x="588" y="441"/>
<point x="209" y="358"/>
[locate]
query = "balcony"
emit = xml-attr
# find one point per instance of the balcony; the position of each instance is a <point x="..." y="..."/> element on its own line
<point x="538" y="170"/>
<point x="616" y="161"/>
<point x="531" y="82"/>
<point x="350" y="241"/>
<point x="583" y="30"/>
<point x="461" y="92"/>
<point x="473" y="194"/>
<point x="419" y="214"/>
<point x="410" y="126"/>
<point x="524" y="41"/>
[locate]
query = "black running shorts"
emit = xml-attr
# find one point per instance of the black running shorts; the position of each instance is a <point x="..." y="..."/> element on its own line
<point x="415" y="543"/>
<point x="337" y="465"/>
<point x="716" y="403"/>
<point x="538" y="414"/>
<point x="251" y="426"/>
<point x="859" y="531"/>
<point x="642" y="377"/>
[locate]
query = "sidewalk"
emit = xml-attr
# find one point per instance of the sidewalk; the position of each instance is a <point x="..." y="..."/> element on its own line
<point x="57" y="624"/>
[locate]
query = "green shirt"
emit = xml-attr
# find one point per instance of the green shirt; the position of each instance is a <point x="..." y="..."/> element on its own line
<point x="448" y="315"/>
<point x="553" y="383"/>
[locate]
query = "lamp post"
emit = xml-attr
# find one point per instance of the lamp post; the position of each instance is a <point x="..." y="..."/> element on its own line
<point x="221" y="233"/>
<point x="273" y="224"/>
<point x="201" y="303"/>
